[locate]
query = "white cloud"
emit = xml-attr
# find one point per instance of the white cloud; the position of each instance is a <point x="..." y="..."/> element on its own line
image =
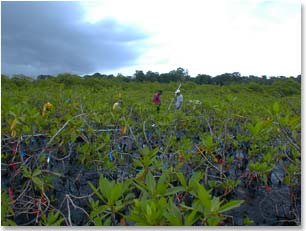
<point x="211" y="37"/>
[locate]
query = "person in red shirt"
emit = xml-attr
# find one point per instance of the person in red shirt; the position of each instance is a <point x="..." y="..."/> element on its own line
<point x="156" y="99"/>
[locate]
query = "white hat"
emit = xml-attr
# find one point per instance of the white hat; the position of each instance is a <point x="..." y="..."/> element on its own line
<point x="177" y="91"/>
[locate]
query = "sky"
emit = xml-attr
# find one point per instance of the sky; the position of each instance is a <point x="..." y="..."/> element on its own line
<point x="253" y="37"/>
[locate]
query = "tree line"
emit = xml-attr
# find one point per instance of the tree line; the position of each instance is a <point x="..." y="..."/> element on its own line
<point x="178" y="75"/>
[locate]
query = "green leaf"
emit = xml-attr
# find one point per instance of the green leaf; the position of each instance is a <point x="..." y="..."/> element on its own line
<point x="145" y="151"/>
<point x="93" y="204"/>
<point x="98" y="210"/>
<point x="119" y="206"/>
<point x="191" y="218"/>
<point x="173" y="214"/>
<point x="174" y="190"/>
<point x="54" y="219"/>
<point x="179" y="165"/>
<point x="38" y="183"/>
<point x="95" y="191"/>
<point x="151" y="184"/>
<point x="148" y="210"/>
<point x="36" y="172"/>
<point x="115" y="193"/>
<point x="194" y="180"/>
<point x="215" y="204"/>
<point x="154" y="151"/>
<point x="230" y="205"/>
<point x="141" y="186"/>
<point x="104" y="186"/>
<point x="137" y="163"/>
<point x="181" y="178"/>
<point x="128" y="198"/>
<point x="161" y="186"/>
<point x="276" y="107"/>
<point x="252" y="129"/>
<point x="268" y="157"/>
<point x="204" y="196"/>
<point x="25" y="172"/>
<point x="8" y="222"/>
<point x="213" y="221"/>
<point x="136" y="218"/>
<point x="258" y="127"/>
<point x="284" y="121"/>
<point x="187" y="207"/>
<point x="107" y="222"/>
<point x="97" y="221"/>
<point x="6" y="210"/>
<point x="247" y="221"/>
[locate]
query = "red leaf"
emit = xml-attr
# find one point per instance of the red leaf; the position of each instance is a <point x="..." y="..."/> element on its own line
<point x="292" y="195"/>
<point x="245" y="174"/>
<point x="267" y="188"/>
<point x="123" y="222"/>
<point x="36" y="211"/>
<point x="14" y="148"/>
<point x="43" y="200"/>
<point x="13" y="166"/>
<point x="10" y="192"/>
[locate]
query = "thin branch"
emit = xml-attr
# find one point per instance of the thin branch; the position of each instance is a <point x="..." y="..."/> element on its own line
<point x="145" y="135"/>
<point x="75" y="206"/>
<point x="62" y="128"/>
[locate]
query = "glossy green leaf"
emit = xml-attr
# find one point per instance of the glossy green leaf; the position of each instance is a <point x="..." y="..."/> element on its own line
<point x="230" y="205"/>
<point x="204" y="196"/>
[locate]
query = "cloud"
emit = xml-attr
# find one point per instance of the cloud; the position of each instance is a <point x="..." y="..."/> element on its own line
<point x="211" y="37"/>
<point x="114" y="36"/>
<point x="52" y="37"/>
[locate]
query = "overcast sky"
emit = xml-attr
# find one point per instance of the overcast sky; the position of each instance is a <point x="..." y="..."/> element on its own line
<point x="252" y="37"/>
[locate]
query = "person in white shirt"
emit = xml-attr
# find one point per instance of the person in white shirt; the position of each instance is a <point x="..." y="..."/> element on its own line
<point x="179" y="99"/>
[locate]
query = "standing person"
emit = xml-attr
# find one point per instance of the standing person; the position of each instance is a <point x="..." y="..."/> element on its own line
<point x="179" y="99"/>
<point x="156" y="99"/>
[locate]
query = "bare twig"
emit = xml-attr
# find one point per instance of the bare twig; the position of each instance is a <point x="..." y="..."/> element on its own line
<point x="69" y="215"/>
<point x="290" y="139"/>
<point x="130" y="129"/>
<point x="24" y="190"/>
<point x="75" y="206"/>
<point x="65" y="124"/>
<point x="145" y="135"/>
<point x="107" y="130"/>
<point x="207" y="159"/>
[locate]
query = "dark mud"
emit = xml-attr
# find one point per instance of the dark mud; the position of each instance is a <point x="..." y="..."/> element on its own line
<point x="276" y="205"/>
